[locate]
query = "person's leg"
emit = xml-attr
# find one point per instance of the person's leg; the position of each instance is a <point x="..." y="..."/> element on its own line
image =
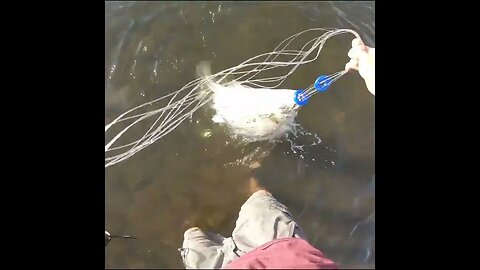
<point x="205" y="250"/>
<point x="262" y="219"/>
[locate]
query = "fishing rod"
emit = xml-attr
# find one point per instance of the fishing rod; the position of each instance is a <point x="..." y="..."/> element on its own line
<point x="109" y="237"/>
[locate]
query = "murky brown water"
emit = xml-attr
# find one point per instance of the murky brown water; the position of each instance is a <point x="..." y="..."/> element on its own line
<point x="152" y="49"/>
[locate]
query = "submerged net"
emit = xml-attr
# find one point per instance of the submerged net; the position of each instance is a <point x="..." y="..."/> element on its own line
<point x="251" y="105"/>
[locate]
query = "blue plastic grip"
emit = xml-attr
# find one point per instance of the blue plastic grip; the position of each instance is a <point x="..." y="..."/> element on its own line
<point x="322" y="83"/>
<point x="300" y="97"/>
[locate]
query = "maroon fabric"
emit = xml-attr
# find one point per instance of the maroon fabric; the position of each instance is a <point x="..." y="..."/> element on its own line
<point x="283" y="253"/>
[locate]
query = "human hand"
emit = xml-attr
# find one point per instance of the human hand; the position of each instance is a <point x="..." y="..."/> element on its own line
<point x="362" y="59"/>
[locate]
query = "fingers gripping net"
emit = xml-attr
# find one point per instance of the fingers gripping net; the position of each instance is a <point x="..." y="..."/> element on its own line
<point x="160" y="116"/>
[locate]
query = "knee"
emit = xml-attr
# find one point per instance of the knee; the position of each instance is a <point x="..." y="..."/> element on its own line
<point x="259" y="196"/>
<point x="191" y="230"/>
<point x="262" y="192"/>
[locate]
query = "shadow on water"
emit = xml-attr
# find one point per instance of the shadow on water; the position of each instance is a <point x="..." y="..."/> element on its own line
<point x="152" y="48"/>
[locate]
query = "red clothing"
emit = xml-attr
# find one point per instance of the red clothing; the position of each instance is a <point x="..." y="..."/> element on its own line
<point x="283" y="253"/>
